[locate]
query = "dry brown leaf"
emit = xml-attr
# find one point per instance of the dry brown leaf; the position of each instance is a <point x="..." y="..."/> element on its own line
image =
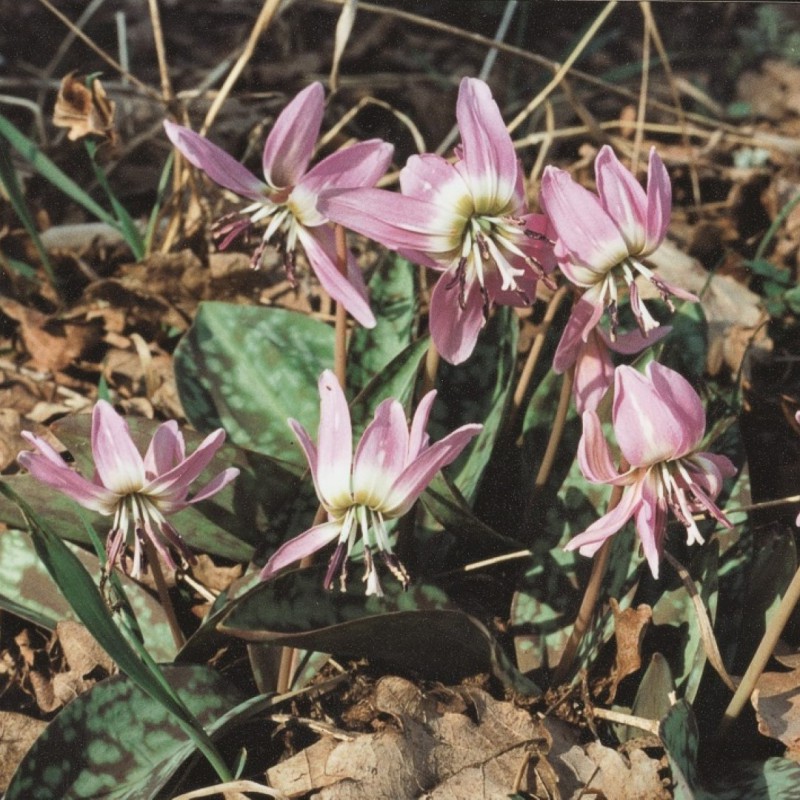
<point x="735" y="315"/>
<point x="773" y="91"/>
<point x="17" y="734"/>
<point x="52" y="344"/>
<point x="10" y="440"/>
<point x="84" y="111"/>
<point x="776" y="700"/>
<point x="630" y="625"/>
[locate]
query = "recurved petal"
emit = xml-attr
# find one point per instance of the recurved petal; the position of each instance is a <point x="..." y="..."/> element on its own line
<point x="583" y="226"/>
<point x="174" y="484"/>
<point x="682" y="403"/>
<point x="66" y="480"/>
<point x="594" y="374"/>
<point x="659" y="202"/>
<point x="594" y="456"/>
<point x="215" y="162"/>
<point x="418" y="437"/>
<point x="216" y="484"/>
<point x="576" y="332"/>
<point x="419" y="473"/>
<point x="334" y="443"/>
<point x="381" y="454"/>
<point x="166" y="449"/>
<point x="118" y="463"/>
<point x="623" y="198"/>
<point x="351" y="291"/>
<point x="651" y="525"/>
<point x="487" y="149"/>
<point x="590" y="541"/>
<point x="360" y="165"/>
<point x="291" y="141"/>
<point x="301" y="546"/>
<point x="455" y="329"/>
<point x="393" y="220"/>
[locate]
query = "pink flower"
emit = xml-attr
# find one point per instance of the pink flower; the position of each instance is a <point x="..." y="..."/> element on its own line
<point x="601" y="238"/>
<point x="658" y="422"/>
<point x="139" y="493"/>
<point x="468" y="220"/>
<point x="391" y="468"/>
<point x="287" y="202"/>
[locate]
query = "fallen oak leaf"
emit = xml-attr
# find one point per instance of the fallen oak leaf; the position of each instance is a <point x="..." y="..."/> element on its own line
<point x="630" y="625"/>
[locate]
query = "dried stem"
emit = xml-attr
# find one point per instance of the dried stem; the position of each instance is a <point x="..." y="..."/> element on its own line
<point x="533" y="355"/>
<point x="154" y="561"/>
<point x="556" y="432"/>
<point x="432" y="359"/>
<point x="262" y="22"/>
<point x="161" y="51"/>
<point x="761" y="656"/>
<point x="340" y="341"/>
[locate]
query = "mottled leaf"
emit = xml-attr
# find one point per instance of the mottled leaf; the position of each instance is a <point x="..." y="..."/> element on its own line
<point x="28" y="590"/>
<point x="116" y="742"/>
<point x="248" y="369"/>
<point x="393" y="298"/>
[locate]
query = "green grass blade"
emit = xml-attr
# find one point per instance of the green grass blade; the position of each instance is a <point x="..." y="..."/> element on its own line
<point x="8" y="177"/>
<point x="48" y="169"/>
<point x="80" y="591"/>
<point x="163" y="181"/>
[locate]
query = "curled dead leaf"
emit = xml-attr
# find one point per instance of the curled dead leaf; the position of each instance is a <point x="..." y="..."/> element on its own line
<point x="630" y="625"/>
<point x="84" y="110"/>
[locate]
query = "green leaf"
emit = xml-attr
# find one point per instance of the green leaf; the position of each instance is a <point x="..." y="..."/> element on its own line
<point x="393" y="298"/>
<point x="686" y="346"/>
<point x="652" y="699"/>
<point x="27" y="590"/>
<point x="114" y="741"/>
<point x="83" y="596"/>
<point x="248" y="369"/>
<point x="477" y="391"/>
<point x="419" y="629"/>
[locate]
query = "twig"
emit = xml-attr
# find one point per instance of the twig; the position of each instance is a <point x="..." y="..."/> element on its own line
<point x="649" y="725"/>
<point x="761" y="657"/>
<point x="642" y="109"/>
<point x="161" y="51"/>
<point x="262" y="22"/>
<point x="232" y="786"/>
<point x="556" y="431"/>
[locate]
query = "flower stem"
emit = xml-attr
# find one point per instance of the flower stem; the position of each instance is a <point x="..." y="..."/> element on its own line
<point x="340" y="342"/>
<point x="154" y="561"/>
<point x="533" y="355"/>
<point x="432" y="359"/>
<point x="761" y="656"/>
<point x="589" y="601"/>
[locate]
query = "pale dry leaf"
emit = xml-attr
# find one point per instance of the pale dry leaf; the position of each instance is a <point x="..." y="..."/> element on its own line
<point x="630" y="625"/>
<point x="10" y="440"/>
<point x="84" y="111"/>
<point x="735" y="315"/>
<point x="17" y="734"/>
<point x="776" y="700"/>
<point x="81" y="650"/>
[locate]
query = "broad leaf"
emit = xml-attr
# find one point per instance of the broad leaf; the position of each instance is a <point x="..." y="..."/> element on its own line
<point x="248" y="369"/>
<point x="419" y="629"/>
<point x="116" y="742"/>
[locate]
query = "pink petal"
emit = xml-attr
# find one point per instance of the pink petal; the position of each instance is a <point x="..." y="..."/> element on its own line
<point x="392" y="219"/>
<point x="334" y="443"/>
<point x="594" y="456"/>
<point x="381" y="454"/>
<point x="622" y="197"/>
<point x="576" y="332"/>
<point x="454" y="329"/>
<point x="659" y="202"/>
<point x="215" y="162"/>
<point x="431" y="178"/>
<point x="649" y="421"/>
<point x="590" y="541"/>
<point x="118" y="463"/>
<point x="166" y="449"/>
<point x="418" y="438"/>
<point x="310" y="450"/>
<point x="301" y="546"/>
<point x="634" y="341"/>
<point x="488" y="151"/>
<point x="651" y="525"/>
<point x="65" y="480"/>
<point x="360" y="165"/>
<point x="594" y="374"/>
<point x="583" y="226"/>
<point x="174" y="484"/>
<point x="417" y="475"/>
<point x="351" y="291"/>
<point x="291" y="141"/>
<point x="216" y="484"/>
